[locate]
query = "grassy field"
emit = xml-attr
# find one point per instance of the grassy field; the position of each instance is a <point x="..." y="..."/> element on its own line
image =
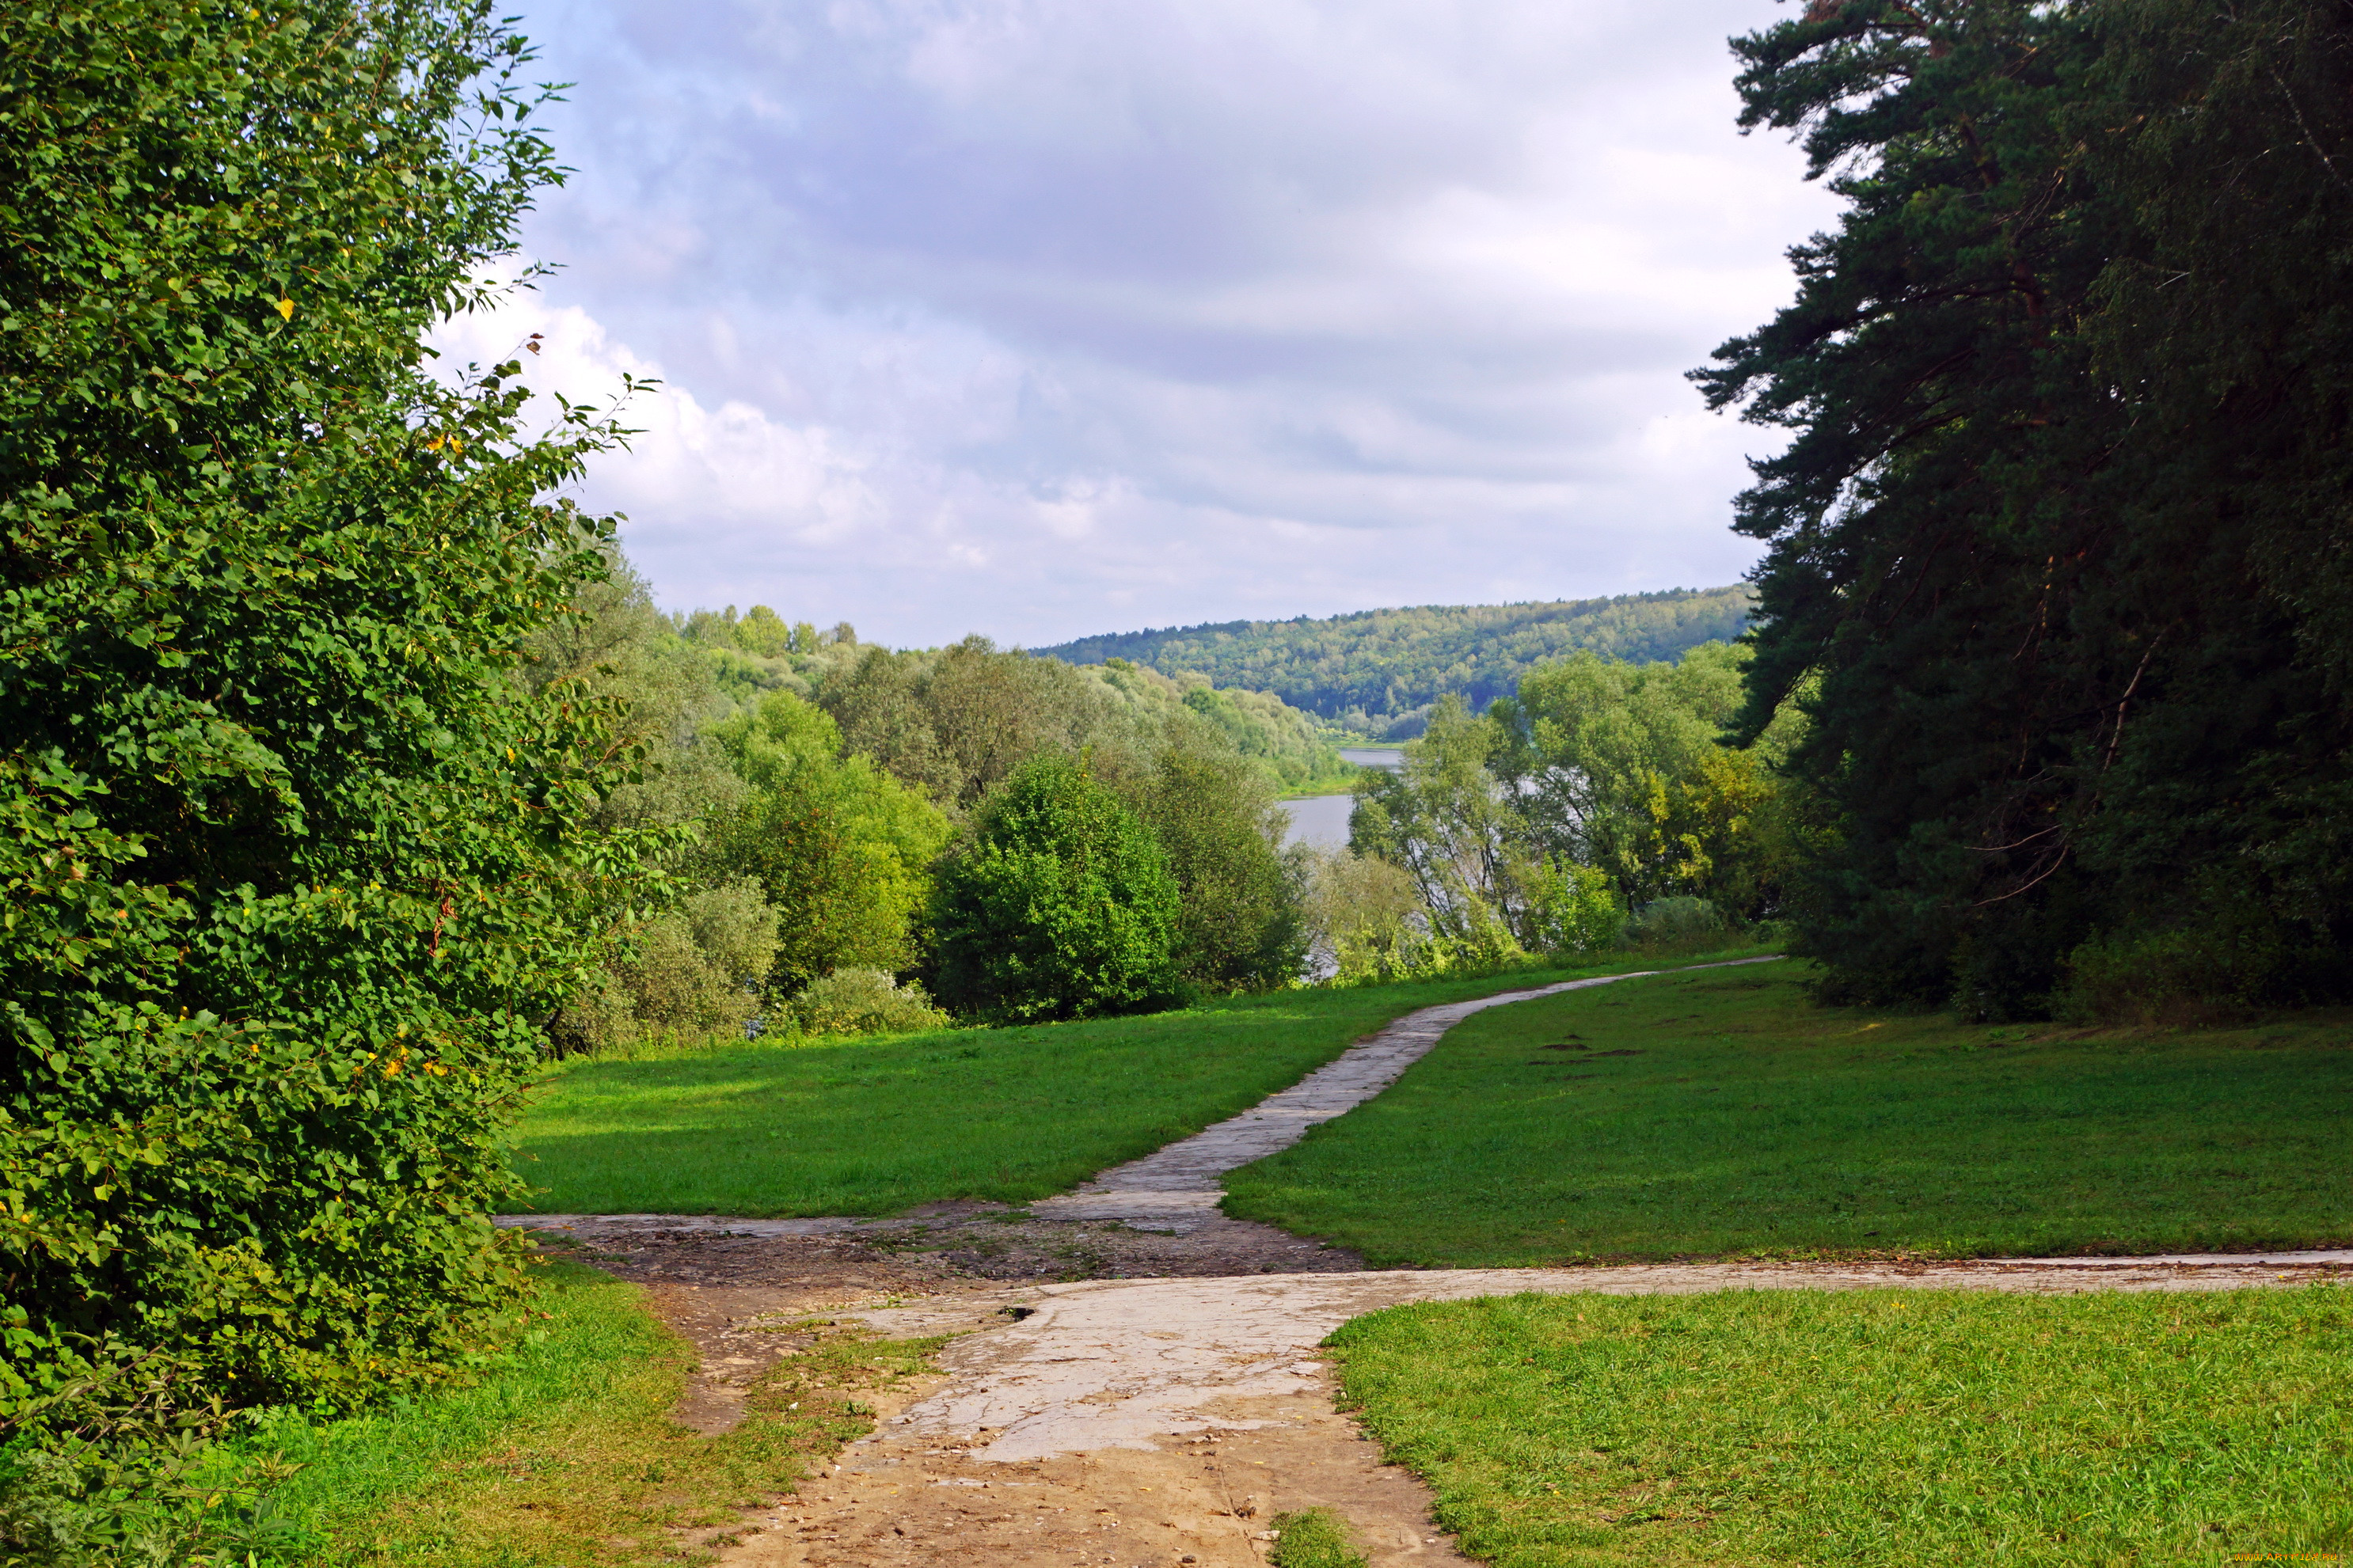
<point x="566" y="1453"/>
<point x="876" y="1126"/>
<point x="1719" y="1114"/>
<point x="1885" y="1427"/>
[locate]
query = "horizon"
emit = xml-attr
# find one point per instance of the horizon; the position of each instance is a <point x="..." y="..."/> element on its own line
<point x="1048" y="649"/>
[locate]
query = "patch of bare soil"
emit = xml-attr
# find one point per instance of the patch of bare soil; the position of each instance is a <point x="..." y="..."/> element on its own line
<point x="1118" y="1396"/>
<point x="723" y="1289"/>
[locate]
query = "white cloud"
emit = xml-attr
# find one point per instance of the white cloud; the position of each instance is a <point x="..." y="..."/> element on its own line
<point x="1043" y="317"/>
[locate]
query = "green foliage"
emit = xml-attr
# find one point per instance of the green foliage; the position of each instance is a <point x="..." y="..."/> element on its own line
<point x="2055" y="549"/>
<point x="954" y="721"/>
<point x="1058" y="904"/>
<point x="1717" y="1112"/>
<point x="1619" y="766"/>
<point x="614" y="643"/>
<point x="294" y="863"/>
<point x="863" y="1001"/>
<point x="1239" y="924"/>
<point x="695" y="972"/>
<point x="123" y="1464"/>
<point x="1364" y="920"/>
<point x="1443" y="818"/>
<point x="1678" y="925"/>
<point x="1383" y="670"/>
<point x="1530" y="827"/>
<point x="1570" y="909"/>
<point x="840" y="849"/>
<point x="1890" y="1427"/>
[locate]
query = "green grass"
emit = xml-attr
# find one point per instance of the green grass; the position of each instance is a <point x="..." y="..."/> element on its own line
<point x="1719" y="1114"/>
<point x="877" y="1126"/>
<point x="565" y="1454"/>
<point x="1312" y="1538"/>
<point x="1884" y="1427"/>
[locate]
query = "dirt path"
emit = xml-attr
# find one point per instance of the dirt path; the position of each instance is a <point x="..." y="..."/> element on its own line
<point x="1166" y="1421"/>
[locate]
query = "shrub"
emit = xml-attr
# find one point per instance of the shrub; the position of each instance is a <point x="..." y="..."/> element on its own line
<point x="1570" y="909"/>
<point x="292" y="866"/>
<point x="1059" y="904"/>
<point x="1241" y="926"/>
<point x="863" y="1001"/>
<point x="1665" y="927"/>
<point x="2187" y="978"/>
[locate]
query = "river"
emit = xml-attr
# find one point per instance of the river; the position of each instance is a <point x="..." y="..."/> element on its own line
<point x="1322" y="819"/>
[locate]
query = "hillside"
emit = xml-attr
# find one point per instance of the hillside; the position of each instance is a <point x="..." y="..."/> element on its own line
<point x="1378" y="671"/>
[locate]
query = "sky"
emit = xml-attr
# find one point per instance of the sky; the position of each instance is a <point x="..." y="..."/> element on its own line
<point x="1043" y="318"/>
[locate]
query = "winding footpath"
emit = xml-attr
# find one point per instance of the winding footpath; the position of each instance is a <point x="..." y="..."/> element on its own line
<point x="1179" y="1186"/>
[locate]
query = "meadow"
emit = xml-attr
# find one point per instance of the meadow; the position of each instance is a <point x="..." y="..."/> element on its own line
<point x="875" y="1126"/>
<point x="1720" y="1113"/>
<point x="1888" y="1428"/>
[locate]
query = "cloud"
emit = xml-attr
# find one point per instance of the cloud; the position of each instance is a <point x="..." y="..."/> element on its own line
<point x="1043" y="317"/>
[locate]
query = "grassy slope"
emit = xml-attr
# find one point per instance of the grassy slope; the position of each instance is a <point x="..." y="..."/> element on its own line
<point x="1736" y="1118"/>
<point x="862" y="1127"/>
<point x="1888" y="1428"/>
<point x="565" y="1454"/>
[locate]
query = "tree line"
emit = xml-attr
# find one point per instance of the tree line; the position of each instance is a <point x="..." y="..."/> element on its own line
<point x="1379" y="673"/>
<point x="828" y="805"/>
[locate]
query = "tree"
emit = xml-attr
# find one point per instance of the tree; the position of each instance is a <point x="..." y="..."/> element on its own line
<point x="841" y="850"/>
<point x="1622" y="767"/>
<point x="1446" y="820"/>
<point x="1058" y="904"/>
<point x="613" y="643"/>
<point x="1240" y="925"/>
<point x="295" y="862"/>
<point x="2068" y="465"/>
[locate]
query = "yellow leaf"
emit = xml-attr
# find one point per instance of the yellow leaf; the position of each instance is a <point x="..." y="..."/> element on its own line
<point x="286" y="309"/>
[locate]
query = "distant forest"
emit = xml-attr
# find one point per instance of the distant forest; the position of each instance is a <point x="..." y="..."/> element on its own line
<point x="1378" y="671"/>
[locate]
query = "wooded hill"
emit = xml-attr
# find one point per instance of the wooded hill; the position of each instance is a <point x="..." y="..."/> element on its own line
<point x="1378" y="671"/>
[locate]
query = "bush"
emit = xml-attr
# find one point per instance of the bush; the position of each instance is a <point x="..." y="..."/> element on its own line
<point x="125" y="1465"/>
<point x="1570" y="909"/>
<point x="1241" y="926"/>
<point x="2176" y="978"/>
<point x="1666" y="927"/>
<point x="863" y="1001"/>
<point x="1059" y="904"/>
<point x="292" y="865"/>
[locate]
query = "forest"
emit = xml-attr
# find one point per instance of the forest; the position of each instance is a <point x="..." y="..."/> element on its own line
<point x="1377" y="673"/>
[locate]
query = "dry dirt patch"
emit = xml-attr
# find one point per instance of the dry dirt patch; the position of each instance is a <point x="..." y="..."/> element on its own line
<point x="1127" y="1420"/>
